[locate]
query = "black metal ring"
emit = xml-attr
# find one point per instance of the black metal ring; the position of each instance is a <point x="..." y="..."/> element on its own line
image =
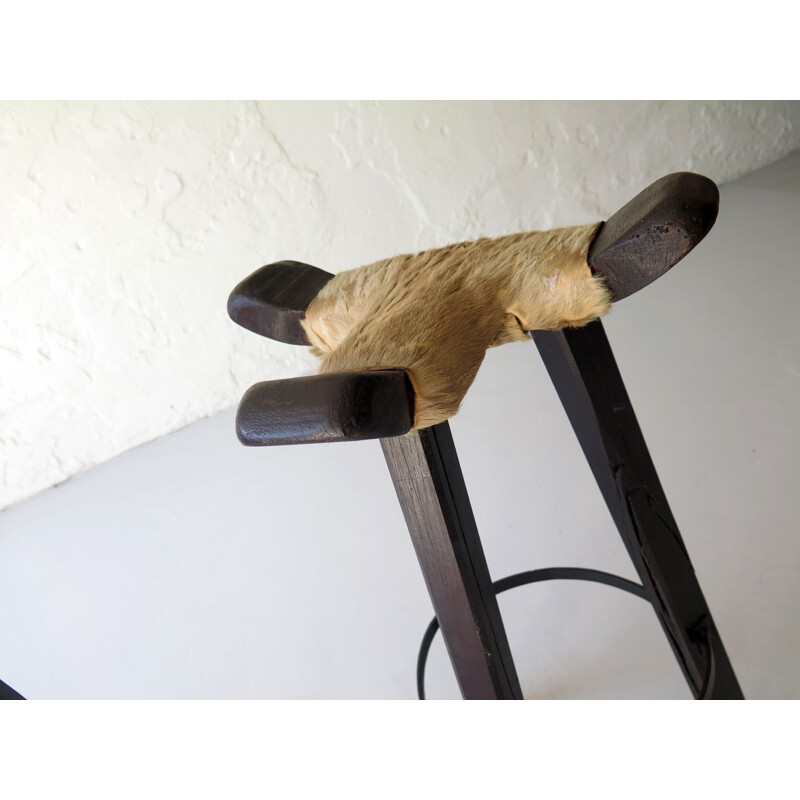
<point x="521" y="579"/>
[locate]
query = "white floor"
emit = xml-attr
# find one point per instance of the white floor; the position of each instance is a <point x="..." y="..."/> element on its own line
<point x="196" y="568"/>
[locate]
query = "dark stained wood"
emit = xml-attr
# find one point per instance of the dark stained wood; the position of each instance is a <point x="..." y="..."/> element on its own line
<point x="273" y="300"/>
<point x="585" y="374"/>
<point x="339" y="407"/>
<point x="432" y="493"/>
<point x="654" y="231"/>
<point x="7" y="693"/>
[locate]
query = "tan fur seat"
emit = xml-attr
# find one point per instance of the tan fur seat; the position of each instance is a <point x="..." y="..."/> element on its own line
<point x="435" y="313"/>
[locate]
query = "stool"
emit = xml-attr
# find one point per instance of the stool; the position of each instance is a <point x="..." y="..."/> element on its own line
<point x="401" y="341"/>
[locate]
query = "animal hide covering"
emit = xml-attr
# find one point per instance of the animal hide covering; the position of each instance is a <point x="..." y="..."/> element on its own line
<point x="435" y="313"/>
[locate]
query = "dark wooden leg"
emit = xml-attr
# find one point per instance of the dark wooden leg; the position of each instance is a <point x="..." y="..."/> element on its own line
<point x="427" y="476"/>
<point x="7" y="693"/>
<point x="585" y="375"/>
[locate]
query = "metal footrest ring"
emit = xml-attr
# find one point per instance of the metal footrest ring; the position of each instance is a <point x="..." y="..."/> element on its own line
<point x="550" y="574"/>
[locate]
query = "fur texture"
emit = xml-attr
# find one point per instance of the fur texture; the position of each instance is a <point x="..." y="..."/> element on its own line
<point x="435" y="313"/>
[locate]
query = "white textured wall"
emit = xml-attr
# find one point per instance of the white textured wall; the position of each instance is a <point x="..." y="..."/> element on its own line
<point x="124" y="226"/>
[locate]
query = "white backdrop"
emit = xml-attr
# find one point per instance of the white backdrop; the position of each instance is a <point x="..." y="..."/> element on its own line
<point x="194" y="567"/>
<point x="124" y="226"/>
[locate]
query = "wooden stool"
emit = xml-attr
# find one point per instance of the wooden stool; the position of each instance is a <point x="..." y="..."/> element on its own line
<point x="381" y="398"/>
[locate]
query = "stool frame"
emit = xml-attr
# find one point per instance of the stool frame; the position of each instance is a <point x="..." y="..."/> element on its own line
<point x="633" y="248"/>
<point x="430" y="487"/>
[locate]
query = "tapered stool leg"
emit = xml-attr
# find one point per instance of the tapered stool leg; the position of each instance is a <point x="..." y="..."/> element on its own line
<point x="583" y="370"/>
<point x="430" y="486"/>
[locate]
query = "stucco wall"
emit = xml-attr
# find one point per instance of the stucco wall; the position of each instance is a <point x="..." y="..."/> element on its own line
<point x="124" y="226"/>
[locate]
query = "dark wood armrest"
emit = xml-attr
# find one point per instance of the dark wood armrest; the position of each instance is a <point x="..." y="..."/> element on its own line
<point x="654" y="231"/>
<point x="273" y="300"/>
<point x="338" y="407"/>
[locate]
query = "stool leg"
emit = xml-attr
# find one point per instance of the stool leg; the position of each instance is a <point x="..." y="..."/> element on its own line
<point x="583" y="370"/>
<point x="427" y="477"/>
